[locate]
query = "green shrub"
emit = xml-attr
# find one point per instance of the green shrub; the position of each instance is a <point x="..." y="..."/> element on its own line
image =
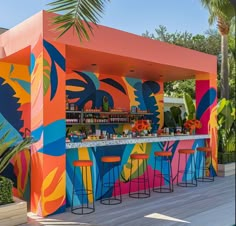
<point x="5" y="191"/>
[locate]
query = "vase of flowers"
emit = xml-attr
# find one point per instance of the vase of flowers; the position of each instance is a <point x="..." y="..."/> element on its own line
<point x="191" y="125"/>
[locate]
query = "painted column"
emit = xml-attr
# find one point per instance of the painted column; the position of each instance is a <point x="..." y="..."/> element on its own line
<point x="48" y="127"/>
<point x="206" y="105"/>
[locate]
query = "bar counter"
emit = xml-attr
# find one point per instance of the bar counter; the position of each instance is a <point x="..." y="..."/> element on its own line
<point x="95" y="149"/>
<point x="137" y="140"/>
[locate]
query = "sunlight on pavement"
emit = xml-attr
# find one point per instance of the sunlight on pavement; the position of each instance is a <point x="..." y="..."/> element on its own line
<point x="164" y="217"/>
<point x="50" y="221"/>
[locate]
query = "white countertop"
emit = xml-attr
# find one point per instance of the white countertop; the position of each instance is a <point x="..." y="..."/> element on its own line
<point x="122" y="141"/>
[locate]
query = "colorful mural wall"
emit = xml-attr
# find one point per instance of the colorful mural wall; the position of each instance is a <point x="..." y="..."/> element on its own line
<point x="48" y="128"/>
<point x="86" y="90"/>
<point x="15" y="114"/>
<point x="43" y="112"/>
<point x="206" y="103"/>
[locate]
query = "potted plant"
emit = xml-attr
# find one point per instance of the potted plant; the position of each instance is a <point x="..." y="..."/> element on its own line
<point x="8" y="149"/>
<point x="226" y="136"/>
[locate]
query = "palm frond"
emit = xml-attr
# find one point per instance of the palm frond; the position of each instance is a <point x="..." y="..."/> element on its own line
<point x="219" y="9"/>
<point x="77" y="15"/>
<point x="9" y="150"/>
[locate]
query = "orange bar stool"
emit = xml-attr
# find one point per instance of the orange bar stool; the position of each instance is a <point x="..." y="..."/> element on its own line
<point x="165" y="158"/>
<point x="189" y="171"/>
<point x="141" y="160"/>
<point x="111" y="162"/>
<point x="85" y="192"/>
<point x="202" y="169"/>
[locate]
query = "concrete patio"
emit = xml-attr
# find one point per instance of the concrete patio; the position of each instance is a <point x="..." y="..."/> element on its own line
<point x="209" y="204"/>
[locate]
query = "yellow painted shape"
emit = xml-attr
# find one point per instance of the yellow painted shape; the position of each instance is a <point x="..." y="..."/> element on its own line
<point x="75" y="88"/>
<point x="138" y="149"/>
<point x="19" y="72"/>
<point x="83" y="154"/>
<point x="131" y="94"/>
<point x="57" y="192"/>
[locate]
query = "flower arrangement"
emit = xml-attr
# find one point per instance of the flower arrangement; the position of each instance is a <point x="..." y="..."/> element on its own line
<point x="192" y="124"/>
<point x="141" y="125"/>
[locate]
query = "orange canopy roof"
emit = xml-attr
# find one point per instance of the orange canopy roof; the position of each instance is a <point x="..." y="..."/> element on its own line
<point x="109" y="51"/>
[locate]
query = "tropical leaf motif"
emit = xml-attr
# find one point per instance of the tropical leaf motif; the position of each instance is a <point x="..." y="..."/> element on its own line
<point x="206" y="101"/>
<point x="55" y="195"/>
<point x="56" y="59"/>
<point x="88" y="91"/>
<point x="114" y="83"/>
<point x="46" y="76"/>
<point x="9" y="105"/>
<point x="144" y="148"/>
<point x="145" y="93"/>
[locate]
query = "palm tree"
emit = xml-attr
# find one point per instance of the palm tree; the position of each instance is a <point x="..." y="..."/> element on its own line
<point x="77" y="14"/>
<point x="223" y="12"/>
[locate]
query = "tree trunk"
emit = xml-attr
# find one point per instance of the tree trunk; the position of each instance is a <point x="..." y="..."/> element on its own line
<point x="224" y="83"/>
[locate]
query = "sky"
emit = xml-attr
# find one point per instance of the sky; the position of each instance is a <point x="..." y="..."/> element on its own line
<point x="134" y="16"/>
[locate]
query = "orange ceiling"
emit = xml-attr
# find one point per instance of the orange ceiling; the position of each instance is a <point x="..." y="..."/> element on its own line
<point x="99" y="62"/>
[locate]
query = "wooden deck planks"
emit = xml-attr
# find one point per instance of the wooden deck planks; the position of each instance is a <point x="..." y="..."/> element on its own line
<point x="208" y="204"/>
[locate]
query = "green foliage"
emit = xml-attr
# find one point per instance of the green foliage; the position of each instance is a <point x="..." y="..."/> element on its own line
<point x="208" y="43"/>
<point x="226" y="126"/>
<point x="189" y="106"/>
<point x="226" y="157"/>
<point x="105" y="104"/>
<point x="169" y="120"/>
<point x="77" y="15"/>
<point x="7" y="151"/>
<point x="5" y="191"/>
<point x="176" y="113"/>
<point x="219" y="9"/>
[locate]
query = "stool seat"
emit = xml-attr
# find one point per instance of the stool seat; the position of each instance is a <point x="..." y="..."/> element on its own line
<point x="110" y="159"/>
<point x="163" y="153"/>
<point x="205" y="149"/>
<point x="80" y="163"/>
<point x="139" y="156"/>
<point x="186" y="151"/>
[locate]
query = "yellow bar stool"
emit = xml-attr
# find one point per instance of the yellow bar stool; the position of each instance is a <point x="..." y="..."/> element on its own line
<point x="203" y="170"/>
<point x="165" y="159"/>
<point x="83" y="192"/>
<point x="189" y="178"/>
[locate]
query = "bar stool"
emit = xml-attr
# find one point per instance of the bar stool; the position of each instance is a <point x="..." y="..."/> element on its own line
<point x="202" y="168"/>
<point x="140" y="181"/>
<point x="192" y="172"/>
<point x="165" y="158"/>
<point x="111" y="162"/>
<point x="84" y="191"/>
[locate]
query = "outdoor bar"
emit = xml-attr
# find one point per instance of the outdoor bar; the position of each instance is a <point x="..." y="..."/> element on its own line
<point x="86" y="100"/>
